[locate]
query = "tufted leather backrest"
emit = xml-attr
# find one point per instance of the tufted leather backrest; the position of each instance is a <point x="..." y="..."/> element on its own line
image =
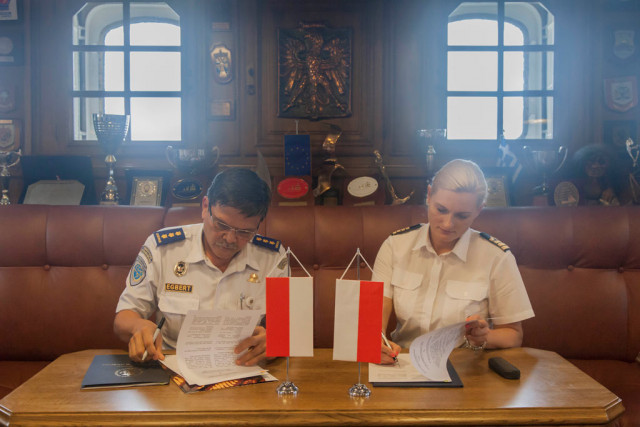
<point x="62" y="269"/>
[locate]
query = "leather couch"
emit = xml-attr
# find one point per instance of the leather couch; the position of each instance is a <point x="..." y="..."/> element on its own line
<point x="62" y="270"/>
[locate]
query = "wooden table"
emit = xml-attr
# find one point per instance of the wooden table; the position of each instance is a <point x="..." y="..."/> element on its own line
<point x="550" y="391"/>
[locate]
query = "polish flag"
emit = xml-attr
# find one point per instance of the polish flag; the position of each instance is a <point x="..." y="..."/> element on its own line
<point x="358" y="321"/>
<point x="289" y="316"/>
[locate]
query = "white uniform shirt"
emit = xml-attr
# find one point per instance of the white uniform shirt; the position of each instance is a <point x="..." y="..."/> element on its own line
<point x="153" y="284"/>
<point x="430" y="291"/>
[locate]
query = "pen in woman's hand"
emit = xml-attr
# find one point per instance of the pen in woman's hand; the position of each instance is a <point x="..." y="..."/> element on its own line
<point x="386" y="341"/>
<point x="155" y="335"/>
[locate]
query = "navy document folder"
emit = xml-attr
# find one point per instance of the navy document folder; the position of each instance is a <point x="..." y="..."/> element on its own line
<point x="117" y="370"/>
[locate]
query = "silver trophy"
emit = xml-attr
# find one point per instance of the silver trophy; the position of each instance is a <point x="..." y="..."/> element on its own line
<point x="432" y="138"/>
<point x="111" y="131"/>
<point x="544" y="162"/>
<point x="7" y="159"/>
<point x="192" y="161"/>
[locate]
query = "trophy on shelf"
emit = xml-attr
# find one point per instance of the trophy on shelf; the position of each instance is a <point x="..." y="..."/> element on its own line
<point x="7" y="159"/>
<point x="544" y="162"/>
<point x="111" y="131"/>
<point x="432" y="138"/>
<point x="194" y="166"/>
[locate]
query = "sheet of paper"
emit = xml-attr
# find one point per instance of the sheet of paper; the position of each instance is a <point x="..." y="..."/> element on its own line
<point x="429" y="352"/>
<point x="206" y="343"/>
<point x="401" y="372"/>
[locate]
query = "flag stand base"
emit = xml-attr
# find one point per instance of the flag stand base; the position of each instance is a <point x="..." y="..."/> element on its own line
<point x="359" y="390"/>
<point x="288" y="388"/>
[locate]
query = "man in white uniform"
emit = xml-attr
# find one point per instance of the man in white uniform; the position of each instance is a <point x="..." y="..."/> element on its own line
<point x="220" y="263"/>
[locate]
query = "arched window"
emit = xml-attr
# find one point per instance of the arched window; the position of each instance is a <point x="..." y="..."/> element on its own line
<point x="127" y="60"/>
<point x="500" y="71"/>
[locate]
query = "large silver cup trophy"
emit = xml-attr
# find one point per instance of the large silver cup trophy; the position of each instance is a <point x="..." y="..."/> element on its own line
<point x="194" y="166"/>
<point x="7" y="159"/>
<point x="111" y="131"/>
<point x="545" y="162"/>
<point x="433" y="138"/>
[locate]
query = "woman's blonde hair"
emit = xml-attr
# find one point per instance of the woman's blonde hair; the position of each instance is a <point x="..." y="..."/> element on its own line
<point x="461" y="176"/>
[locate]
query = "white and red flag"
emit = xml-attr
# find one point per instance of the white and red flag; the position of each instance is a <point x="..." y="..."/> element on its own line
<point x="358" y="321"/>
<point x="289" y="316"/>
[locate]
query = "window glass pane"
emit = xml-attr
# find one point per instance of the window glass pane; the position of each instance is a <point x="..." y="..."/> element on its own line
<point x="513" y="71"/>
<point x="534" y="21"/>
<point x="473" y="32"/>
<point x="477" y="71"/>
<point x="155" y="119"/>
<point x="536" y="116"/>
<point x="92" y="22"/>
<point x="154" y="24"/>
<point x="472" y="117"/>
<point x="159" y="71"/>
<point x="88" y="73"/>
<point x="512" y="117"/>
<point x="83" y="110"/>
<point x="528" y="71"/>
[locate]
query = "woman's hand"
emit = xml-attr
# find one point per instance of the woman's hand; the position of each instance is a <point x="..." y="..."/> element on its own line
<point x="476" y="330"/>
<point x="389" y="355"/>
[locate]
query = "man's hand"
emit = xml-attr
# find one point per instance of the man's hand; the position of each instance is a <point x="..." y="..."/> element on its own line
<point x="256" y="346"/>
<point x="389" y="355"/>
<point x="476" y="330"/>
<point x="142" y="339"/>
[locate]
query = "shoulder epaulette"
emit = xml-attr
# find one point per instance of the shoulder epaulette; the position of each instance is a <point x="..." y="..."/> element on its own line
<point x="168" y="236"/>
<point x="495" y="241"/>
<point x="406" y="229"/>
<point x="266" y="242"/>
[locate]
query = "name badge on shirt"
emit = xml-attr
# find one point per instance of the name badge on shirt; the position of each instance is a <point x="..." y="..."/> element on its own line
<point x="178" y="287"/>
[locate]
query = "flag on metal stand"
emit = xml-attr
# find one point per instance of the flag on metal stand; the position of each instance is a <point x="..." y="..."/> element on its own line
<point x="289" y="316"/>
<point x="358" y="321"/>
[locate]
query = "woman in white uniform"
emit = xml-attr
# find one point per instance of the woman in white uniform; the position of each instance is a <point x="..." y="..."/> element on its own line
<point x="444" y="272"/>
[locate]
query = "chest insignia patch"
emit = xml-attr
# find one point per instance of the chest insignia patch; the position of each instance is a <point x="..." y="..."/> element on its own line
<point x="496" y="242"/>
<point x="178" y="287"/>
<point x="168" y="236"/>
<point x="138" y="272"/>
<point x="147" y="254"/>
<point x="180" y="269"/>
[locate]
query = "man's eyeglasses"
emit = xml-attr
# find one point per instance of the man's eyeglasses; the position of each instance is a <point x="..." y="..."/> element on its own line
<point x="223" y="227"/>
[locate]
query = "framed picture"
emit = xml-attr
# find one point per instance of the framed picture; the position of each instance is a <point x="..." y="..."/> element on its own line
<point x="147" y="188"/>
<point x="8" y="10"/>
<point x="9" y="135"/>
<point x="616" y="133"/>
<point x="146" y="191"/>
<point x="11" y="47"/>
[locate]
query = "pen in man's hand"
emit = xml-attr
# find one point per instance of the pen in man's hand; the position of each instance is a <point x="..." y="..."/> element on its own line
<point x="155" y="335"/>
<point x="386" y="341"/>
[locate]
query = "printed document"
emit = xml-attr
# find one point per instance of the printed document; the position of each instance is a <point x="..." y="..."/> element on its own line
<point x="427" y="358"/>
<point x="206" y="343"/>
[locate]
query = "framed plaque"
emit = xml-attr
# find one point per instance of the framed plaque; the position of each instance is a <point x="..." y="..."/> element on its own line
<point x="146" y="191"/>
<point x="363" y="191"/>
<point x="497" y="192"/>
<point x="293" y="191"/>
<point x="9" y="135"/>
<point x="147" y="187"/>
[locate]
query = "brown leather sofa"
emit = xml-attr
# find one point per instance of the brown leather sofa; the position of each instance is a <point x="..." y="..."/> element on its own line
<point x="62" y="270"/>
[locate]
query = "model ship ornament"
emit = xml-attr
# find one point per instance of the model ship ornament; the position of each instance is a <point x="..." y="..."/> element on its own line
<point x="395" y="200"/>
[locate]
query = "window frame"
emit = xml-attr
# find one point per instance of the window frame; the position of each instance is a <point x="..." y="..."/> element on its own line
<point x="126" y="48"/>
<point x="500" y="93"/>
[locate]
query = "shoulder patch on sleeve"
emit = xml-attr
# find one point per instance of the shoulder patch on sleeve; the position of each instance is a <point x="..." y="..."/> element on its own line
<point x="168" y="236"/>
<point x="406" y="229"/>
<point x="266" y="242"/>
<point x="495" y="241"/>
<point x="138" y="272"/>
